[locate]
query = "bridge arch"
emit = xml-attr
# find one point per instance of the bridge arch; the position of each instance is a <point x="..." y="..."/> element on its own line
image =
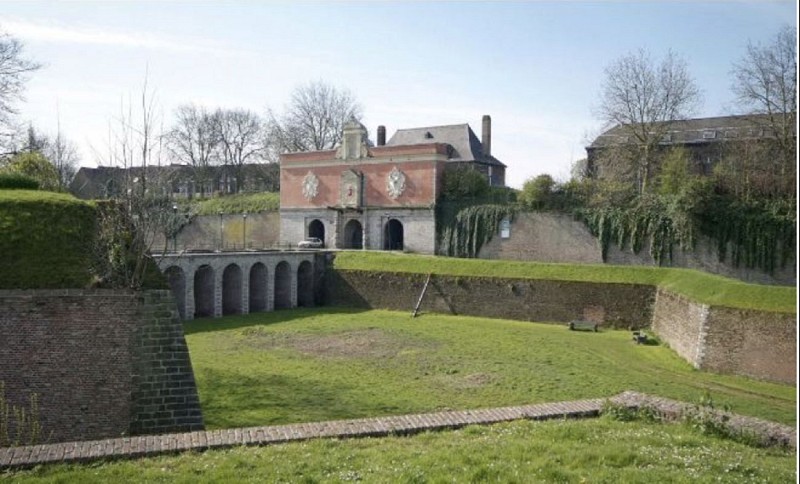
<point x="176" y="279"/>
<point x="232" y="290"/>
<point x="305" y="284"/>
<point x="258" y="288"/>
<point x="283" y="285"/>
<point x="204" y="291"/>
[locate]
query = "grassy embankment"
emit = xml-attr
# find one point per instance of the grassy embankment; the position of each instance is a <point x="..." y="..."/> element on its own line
<point x="322" y="364"/>
<point x="239" y="203"/>
<point x="699" y="286"/>
<point x="45" y="240"/>
<point x="601" y="451"/>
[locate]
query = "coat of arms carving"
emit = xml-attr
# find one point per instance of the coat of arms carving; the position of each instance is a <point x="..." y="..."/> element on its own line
<point x="310" y="186"/>
<point x="395" y="183"/>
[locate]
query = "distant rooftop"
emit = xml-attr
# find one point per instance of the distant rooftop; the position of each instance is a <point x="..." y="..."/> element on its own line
<point x="699" y="130"/>
<point x="466" y="146"/>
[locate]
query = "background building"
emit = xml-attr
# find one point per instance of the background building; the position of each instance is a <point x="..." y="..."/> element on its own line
<point x="379" y="197"/>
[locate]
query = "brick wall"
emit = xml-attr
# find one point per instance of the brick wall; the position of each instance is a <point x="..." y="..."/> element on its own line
<point x="614" y="305"/>
<point x="100" y="362"/>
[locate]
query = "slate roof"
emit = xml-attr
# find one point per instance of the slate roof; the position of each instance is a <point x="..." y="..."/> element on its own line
<point x="696" y="131"/>
<point x="466" y="146"/>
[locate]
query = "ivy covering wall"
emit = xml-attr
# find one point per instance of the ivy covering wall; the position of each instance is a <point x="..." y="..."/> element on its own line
<point x="463" y="233"/>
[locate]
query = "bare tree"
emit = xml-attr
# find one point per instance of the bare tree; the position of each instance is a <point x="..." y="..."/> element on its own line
<point x="63" y="154"/>
<point x="765" y="84"/>
<point x="645" y="98"/>
<point x="314" y="118"/>
<point x="143" y="213"/>
<point x="194" y="140"/>
<point x="14" y="72"/>
<point x="241" y="141"/>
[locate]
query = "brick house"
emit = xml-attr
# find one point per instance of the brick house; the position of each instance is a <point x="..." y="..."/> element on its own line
<point x="379" y="197"/>
<point x="707" y="140"/>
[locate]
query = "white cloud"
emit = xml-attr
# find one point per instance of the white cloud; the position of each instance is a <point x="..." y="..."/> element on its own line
<point x="54" y="33"/>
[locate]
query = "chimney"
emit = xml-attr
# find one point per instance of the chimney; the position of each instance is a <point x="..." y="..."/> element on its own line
<point x="486" y="137"/>
<point x="381" y="135"/>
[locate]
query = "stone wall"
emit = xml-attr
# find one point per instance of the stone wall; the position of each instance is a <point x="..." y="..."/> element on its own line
<point x="419" y="226"/>
<point x="103" y="363"/>
<point x="211" y="232"/>
<point x="557" y="237"/>
<point x="681" y="323"/>
<point x="613" y="305"/>
<point x="758" y="344"/>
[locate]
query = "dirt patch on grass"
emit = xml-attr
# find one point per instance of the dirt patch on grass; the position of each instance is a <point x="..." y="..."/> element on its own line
<point x="362" y="343"/>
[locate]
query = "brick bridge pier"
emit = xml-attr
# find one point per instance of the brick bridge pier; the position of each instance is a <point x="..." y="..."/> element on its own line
<point x="215" y="284"/>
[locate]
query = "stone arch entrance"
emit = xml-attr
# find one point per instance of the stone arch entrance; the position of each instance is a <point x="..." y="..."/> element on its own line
<point x="316" y="229"/>
<point x="258" y="288"/>
<point x="393" y="235"/>
<point x="204" y="292"/>
<point x="283" y="286"/>
<point x="232" y="290"/>
<point x="305" y="285"/>
<point x="353" y="235"/>
<point x="177" y="284"/>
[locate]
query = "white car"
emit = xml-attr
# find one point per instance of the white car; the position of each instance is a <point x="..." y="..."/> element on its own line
<point x="310" y="243"/>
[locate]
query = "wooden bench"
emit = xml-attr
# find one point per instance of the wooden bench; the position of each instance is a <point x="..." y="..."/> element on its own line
<point x="574" y="325"/>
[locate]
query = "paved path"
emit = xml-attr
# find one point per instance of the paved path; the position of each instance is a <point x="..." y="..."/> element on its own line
<point x="151" y="445"/>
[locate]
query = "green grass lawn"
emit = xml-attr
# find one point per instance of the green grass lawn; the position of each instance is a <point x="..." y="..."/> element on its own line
<point x="321" y="364"/>
<point x="699" y="286"/>
<point x="238" y="203"/>
<point x="594" y="450"/>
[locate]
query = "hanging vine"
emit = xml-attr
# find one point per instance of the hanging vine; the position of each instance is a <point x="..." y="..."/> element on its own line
<point x="465" y="233"/>
<point x="754" y="234"/>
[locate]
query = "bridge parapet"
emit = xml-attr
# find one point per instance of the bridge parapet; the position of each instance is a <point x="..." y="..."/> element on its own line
<point x="215" y="284"/>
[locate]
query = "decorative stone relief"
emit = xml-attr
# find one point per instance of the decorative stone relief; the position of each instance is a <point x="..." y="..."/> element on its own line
<point x="351" y="188"/>
<point x="310" y="186"/>
<point x="395" y="183"/>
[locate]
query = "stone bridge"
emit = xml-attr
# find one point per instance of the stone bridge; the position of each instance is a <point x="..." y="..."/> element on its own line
<point x="215" y="284"/>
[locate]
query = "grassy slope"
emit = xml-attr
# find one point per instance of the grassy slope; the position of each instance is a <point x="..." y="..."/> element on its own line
<point x="699" y="286"/>
<point x="312" y="365"/>
<point x="240" y="203"/>
<point x="44" y="240"/>
<point x="596" y="450"/>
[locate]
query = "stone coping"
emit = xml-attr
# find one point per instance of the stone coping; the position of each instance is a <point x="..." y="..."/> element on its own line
<point x="152" y="445"/>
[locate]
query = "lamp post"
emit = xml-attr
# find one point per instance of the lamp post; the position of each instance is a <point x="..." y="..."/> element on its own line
<point x="175" y="227"/>
<point x="221" y="241"/>
<point x="244" y="230"/>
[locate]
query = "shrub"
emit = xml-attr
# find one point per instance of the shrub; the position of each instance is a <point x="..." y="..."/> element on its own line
<point x="537" y="192"/>
<point x="10" y="180"/>
<point x="463" y="183"/>
<point x="36" y="166"/>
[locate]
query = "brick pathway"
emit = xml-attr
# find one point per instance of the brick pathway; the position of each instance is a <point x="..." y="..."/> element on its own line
<point x="151" y="445"/>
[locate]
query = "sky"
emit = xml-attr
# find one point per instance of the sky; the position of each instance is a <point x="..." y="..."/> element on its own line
<point x="536" y="67"/>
